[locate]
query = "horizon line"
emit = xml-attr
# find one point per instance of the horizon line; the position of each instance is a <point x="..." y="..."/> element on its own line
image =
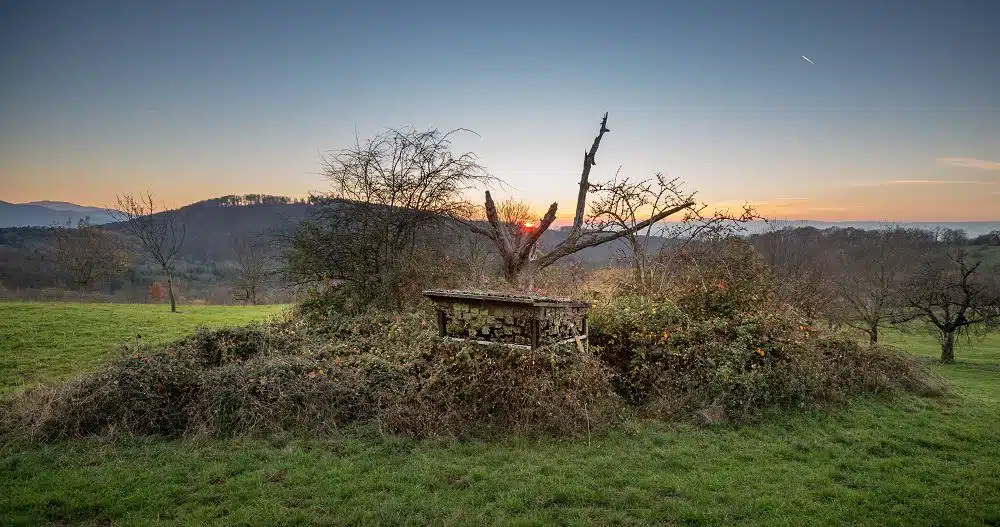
<point x="562" y="220"/>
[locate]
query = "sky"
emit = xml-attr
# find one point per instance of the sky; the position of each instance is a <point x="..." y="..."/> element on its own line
<point x="894" y="117"/>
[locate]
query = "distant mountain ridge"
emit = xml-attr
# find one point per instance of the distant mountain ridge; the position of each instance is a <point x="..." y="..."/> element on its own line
<point x="49" y="213"/>
<point x="66" y="206"/>
<point x="971" y="228"/>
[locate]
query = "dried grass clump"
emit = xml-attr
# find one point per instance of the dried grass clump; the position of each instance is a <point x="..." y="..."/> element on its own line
<point x="141" y="394"/>
<point x="488" y="389"/>
<point x="315" y="374"/>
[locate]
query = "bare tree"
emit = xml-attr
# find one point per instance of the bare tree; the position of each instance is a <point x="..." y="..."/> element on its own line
<point x="518" y="251"/>
<point x="158" y="234"/>
<point x="804" y="265"/>
<point x="955" y="294"/>
<point x="89" y="253"/>
<point x="477" y="252"/>
<point x="870" y="278"/>
<point x="251" y="268"/>
<point x="622" y="204"/>
<point x="388" y="195"/>
<point x="990" y="238"/>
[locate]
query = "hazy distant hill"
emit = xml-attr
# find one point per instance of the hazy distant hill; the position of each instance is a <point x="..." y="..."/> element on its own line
<point x="212" y="224"/>
<point x="48" y="213"/>
<point x="27" y="262"/>
<point x="971" y="228"/>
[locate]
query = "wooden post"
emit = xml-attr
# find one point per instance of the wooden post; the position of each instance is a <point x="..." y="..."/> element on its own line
<point x="442" y="322"/>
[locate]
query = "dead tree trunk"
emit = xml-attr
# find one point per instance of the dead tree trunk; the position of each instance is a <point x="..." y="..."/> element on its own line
<point x="520" y="259"/>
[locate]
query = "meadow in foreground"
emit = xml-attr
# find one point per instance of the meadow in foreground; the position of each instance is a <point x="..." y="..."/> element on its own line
<point x="906" y="461"/>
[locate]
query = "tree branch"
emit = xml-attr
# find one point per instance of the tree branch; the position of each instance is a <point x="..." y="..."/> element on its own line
<point x="589" y="160"/>
<point x="568" y="247"/>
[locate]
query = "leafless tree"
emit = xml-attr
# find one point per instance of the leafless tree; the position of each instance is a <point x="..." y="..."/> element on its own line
<point x="518" y="250"/>
<point x="477" y="252"/>
<point x="990" y="238"/>
<point x="388" y="194"/>
<point x="252" y="268"/>
<point x="954" y="292"/>
<point x="89" y="253"/>
<point x="871" y="274"/>
<point x="804" y="264"/>
<point x="622" y="204"/>
<point x="159" y="233"/>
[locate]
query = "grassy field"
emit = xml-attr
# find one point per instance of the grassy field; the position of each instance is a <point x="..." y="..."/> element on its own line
<point x="908" y="461"/>
<point x="48" y="341"/>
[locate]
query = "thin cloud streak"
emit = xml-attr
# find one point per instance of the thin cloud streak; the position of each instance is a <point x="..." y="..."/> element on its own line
<point x="969" y="162"/>
<point x="923" y="182"/>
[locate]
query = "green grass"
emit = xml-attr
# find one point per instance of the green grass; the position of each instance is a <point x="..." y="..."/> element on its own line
<point x="908" y="461"/>
<point x="52" y="341"/>
<point x="976" y="371"/>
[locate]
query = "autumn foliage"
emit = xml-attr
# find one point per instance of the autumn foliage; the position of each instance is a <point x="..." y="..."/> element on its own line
<point x="156" y="293"/>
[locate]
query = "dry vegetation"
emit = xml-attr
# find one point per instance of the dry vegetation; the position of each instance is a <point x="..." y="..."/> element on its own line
<point x="715" y="345"/>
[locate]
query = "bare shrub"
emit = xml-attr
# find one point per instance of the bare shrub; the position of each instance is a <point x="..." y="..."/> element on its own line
<point x="143" y="394"/>
<point x="721" y="339"/>
<point x="269" y="394"/>
<point x="383" y="226"/>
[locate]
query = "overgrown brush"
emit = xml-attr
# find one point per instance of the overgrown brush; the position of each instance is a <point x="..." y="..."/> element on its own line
<point x="497" y="388"/>
<point x="715" y="342"/>
<point x="712" y="343"/>
<point x="315" y="374"/>
<point x="140" y="394"/>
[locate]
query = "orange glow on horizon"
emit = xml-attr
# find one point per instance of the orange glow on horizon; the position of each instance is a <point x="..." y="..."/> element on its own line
<point x="890" y="203"/>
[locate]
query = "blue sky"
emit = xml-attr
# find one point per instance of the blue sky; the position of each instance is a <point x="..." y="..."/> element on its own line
<point x="898" y="118"/>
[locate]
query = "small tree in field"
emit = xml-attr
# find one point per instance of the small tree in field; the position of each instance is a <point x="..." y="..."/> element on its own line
<point x="159" y="235"/>
<point x="251" y="268"/>
<point x="517" y="250"/>
<point x="89" y="254"/>
<point x="954" y="292"/>
<point x="871" y="277"/>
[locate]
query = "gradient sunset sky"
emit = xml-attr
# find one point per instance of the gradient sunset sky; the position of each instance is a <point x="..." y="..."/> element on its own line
<point x="897" y="117"/>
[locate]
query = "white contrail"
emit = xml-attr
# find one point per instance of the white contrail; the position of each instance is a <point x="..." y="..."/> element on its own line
<point x="807" y="60"/>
